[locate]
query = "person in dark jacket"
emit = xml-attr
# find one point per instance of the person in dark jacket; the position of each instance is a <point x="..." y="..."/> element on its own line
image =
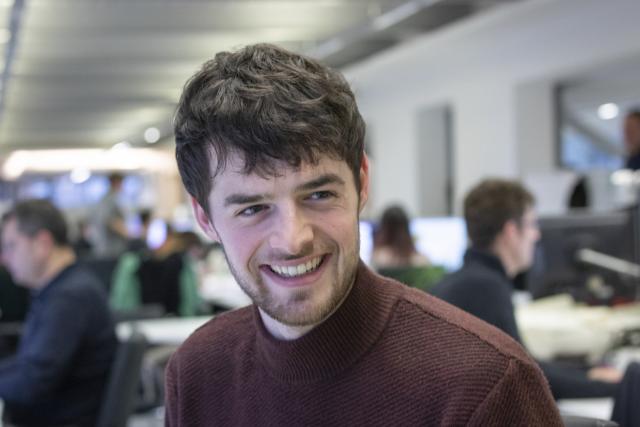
<point x="502" y="227"/>
<point x="68" y="341"/>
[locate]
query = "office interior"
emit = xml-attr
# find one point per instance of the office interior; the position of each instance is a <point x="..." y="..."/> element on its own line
<point x="534" y="90"/>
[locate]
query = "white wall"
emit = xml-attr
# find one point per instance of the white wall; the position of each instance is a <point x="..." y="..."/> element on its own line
<point x="496" y="72"/>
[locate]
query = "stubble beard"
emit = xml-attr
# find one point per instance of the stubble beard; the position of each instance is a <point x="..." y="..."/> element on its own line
<point x="295" y="311"/>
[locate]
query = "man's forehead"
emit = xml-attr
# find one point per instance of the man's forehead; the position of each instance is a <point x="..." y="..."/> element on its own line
<point x="235" y="168"/>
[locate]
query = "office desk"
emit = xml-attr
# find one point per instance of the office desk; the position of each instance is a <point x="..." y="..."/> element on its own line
<point x="596" y="408"/>
<point x="556" y="326"/>
<point x="167" y="331"/>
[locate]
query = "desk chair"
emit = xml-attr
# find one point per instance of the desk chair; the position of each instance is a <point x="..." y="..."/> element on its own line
<point x="120" y="395"/>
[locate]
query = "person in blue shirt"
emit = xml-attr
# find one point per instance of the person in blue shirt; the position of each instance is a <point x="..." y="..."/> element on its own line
<point x="68" y="342"/>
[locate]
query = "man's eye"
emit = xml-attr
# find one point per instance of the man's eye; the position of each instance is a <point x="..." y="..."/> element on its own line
<point x="252" y="210"/>
<point x="320" y="195"/>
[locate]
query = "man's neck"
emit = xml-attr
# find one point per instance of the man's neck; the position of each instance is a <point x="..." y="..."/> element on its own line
<point x="282" y="331"/>
<point x="286" y="332"/>
<point x="60" y="259"/>
<point x="507" y="261"/>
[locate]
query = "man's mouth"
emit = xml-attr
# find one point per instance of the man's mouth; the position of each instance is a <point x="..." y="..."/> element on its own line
<point x="297" y="270"/>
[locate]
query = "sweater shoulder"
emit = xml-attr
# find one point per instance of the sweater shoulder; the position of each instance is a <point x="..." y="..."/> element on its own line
<point x="460" y="326"/>
<point x="219" y="336"/>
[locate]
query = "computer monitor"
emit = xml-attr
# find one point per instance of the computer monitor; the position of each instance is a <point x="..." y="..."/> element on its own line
<point x="441" y="239"/>
<point x="556" y="268"/>
<point x="366" y="241"/>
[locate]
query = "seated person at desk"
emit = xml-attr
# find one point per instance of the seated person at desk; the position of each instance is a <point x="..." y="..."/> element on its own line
<point x="503" y="230"/>
<point x="68" y="342"/>
<point x="393" y="245"/>
<point x="164" y="277"/>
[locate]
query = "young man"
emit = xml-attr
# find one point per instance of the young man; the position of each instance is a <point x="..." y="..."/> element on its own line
<point x="270" y="147"/>
<point x="502" y="226"/>
<point x="68" y="341"/>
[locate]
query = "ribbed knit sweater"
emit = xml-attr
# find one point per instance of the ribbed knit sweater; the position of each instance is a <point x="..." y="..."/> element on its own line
<point x="390" y="355"/>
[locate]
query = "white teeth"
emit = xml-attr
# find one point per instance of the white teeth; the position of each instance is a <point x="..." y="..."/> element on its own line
<point x="297" y="270"/>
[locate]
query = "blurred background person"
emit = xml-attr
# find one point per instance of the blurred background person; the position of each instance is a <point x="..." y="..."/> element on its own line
<point x="68" y="341"/>
<point x="139" y="243"/>
<point x="109" y="230"/>
<point x="503" y="230"/>
<point x="81" y="244"/>
<point x="162" y="277"/>
<point x="393" y="245"/>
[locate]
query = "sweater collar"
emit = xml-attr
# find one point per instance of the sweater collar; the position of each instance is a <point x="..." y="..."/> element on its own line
<point x="335" y="344"/>
<point x="486" y="259"/>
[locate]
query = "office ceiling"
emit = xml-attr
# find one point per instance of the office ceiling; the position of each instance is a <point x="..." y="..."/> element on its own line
<point x="93" y="73"/>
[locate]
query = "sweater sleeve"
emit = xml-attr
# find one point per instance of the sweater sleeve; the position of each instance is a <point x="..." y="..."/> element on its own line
<point x="521" y="397"/>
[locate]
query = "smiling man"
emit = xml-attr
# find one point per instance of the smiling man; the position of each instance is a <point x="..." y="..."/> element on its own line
<point x="270" y="146"/>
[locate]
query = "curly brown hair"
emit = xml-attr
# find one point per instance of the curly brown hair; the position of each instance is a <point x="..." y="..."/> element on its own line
<point x="270" y="106"/>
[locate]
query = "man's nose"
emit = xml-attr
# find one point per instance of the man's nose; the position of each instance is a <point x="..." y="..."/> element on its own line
<point x="293" y="233"/>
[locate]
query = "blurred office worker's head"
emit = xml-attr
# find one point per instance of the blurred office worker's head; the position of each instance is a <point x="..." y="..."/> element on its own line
<point x="393" y="231"/>
<point x="269" y="144"/>
<point x="632" y="132"/>
<point x="500" y="218"/>
<point x="31" y="231"/>
<point x="115" y="180"/>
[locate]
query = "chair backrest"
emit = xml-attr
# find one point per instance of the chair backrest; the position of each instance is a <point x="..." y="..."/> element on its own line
<point x="103" y="268"/>
<point x="160" y="282"/>
<point x="120" y="395"/>
<point x="577" y="421"/>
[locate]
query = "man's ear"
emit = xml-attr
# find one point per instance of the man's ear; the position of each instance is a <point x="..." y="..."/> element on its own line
<point x="364" y="181"/>
<point x="510" y="230"/>
<point x="204" y="221"/>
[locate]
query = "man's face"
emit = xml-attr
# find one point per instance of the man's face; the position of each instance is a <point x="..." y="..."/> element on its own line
<point x="21" y="255"/>
<point x="529" y="234"/>
<point x="632" y="134"/>
<point x="291" y="241"/>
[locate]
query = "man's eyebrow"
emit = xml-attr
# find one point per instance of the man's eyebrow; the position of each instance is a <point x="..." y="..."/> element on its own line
<point x="242" y="199"/>
<point x="329" y="178"/>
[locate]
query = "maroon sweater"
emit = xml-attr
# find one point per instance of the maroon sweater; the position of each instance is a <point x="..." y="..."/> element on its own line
<point x="390" y="355"/>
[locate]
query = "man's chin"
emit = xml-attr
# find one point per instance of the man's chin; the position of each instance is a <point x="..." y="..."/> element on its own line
<point x="299" y="317"/>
